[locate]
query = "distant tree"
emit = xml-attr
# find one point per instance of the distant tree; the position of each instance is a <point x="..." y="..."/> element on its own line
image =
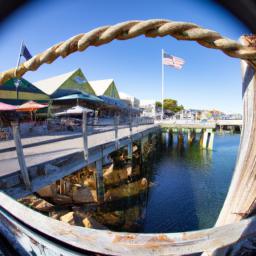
<point x="172" y="105"/>
<point x="158" y="104"/>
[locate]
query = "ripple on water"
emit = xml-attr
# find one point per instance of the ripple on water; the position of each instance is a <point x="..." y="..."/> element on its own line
<point x="190" y="186"/>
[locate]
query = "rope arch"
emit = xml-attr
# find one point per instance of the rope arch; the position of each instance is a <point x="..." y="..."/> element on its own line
<point x="173" y="243"/>
<point x="131" y="29"/>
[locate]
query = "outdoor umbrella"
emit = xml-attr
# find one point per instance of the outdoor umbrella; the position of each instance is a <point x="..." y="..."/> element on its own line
<point x="7" y="107"/>
<point x="30" y="106"/>
<point x="77" y="110"/>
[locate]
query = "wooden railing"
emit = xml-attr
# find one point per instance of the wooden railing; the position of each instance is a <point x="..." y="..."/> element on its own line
<point x="37" y="234"/>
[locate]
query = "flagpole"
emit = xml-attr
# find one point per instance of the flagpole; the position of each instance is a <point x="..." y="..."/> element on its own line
<point x="162" y="115"/>
<point x="17" y="82"/>
<point x="18" y="61"/>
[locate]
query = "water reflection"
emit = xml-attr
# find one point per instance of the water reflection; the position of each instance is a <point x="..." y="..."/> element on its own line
<point x="190" y="185"/>
<point x="172" y="186"/>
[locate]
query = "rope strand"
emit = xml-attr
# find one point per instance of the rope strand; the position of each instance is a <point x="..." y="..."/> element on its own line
<point x="130" y="29"/>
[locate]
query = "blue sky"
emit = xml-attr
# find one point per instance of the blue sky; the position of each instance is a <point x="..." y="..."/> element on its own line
<point x="208" y="80"/>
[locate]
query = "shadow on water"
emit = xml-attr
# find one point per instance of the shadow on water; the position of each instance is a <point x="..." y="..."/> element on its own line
<point x="165" y="211"/>
<point x="190" y="185"/>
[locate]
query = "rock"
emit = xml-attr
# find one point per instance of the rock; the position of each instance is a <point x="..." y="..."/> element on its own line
<point x="48" y="191"/>
<point x="132" y="215"/>
<point x="111" y="176"/>
<point x="62" y="199"/>
<point x="90" y="222"/>
<point x="90" y="182"/>
<point x="115" y="218"/>
<point x="36" y="203"/>
<point x="144" y="182"/>
<point x="84" y="195"/>
<point x="43" y="206"/>
<point x="123" y="174"/>
<point x="68" y="218"/>
<point x="56" y="215"/>
<point x="131" y="189"/>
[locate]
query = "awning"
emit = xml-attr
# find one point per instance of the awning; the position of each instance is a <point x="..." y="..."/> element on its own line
<point x="114" y="102"/>
<point x="80" y="96"/>
<point x="6" y="107"/>
<point x="30" y="106"/>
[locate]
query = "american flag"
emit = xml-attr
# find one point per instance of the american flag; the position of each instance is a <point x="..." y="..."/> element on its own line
<point x="172" y="61"/>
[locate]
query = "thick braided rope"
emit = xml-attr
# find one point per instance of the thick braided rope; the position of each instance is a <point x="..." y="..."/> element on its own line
<point x="131" y="29"/>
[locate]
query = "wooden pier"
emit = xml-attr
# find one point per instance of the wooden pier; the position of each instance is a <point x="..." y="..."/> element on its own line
<point x="51" y="161"/>
<point x="32" y="233"/>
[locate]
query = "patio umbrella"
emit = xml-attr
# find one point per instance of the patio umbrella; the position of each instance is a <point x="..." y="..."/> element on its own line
<point x="77" y="110"/>
<point x="7" y="107"/>
<point x="30" y="106"/>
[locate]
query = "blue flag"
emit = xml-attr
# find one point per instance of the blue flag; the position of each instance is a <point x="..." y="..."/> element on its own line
<point x="25" y="52"/>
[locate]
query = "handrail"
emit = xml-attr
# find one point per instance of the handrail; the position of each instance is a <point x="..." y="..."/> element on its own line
<point x="119" y="243"/>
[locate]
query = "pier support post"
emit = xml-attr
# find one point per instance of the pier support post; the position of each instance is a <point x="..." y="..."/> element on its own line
<point x="210" y="143"/>
<point x="130" y="125"/>
<point x="20" y="154"/>
<point x="180" y="137"/>
<point x="100" y="181"/>
<point x="144" y="140"/>
<point x="191" y="136"/>
<point x="205" y="138"/>
<point x="85" y="136"/>
<point x="116" y="131"/>
<point x="170" y="136"/>
<point x="129" y="159"/>
<point x="208" y="137"/>
<point x="221" y="129"/>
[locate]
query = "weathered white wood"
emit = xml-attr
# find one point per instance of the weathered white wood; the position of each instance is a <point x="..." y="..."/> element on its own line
<point x="211" y="139"/>
<point x="130" y="125"/>
<point x="85" y="135"/>
<point x="116" y="131"/>
<point x="205" y="138"/>
<point x="240" y="200"/>
<point x="112" y="243"/>
<point x="20" y="154"/>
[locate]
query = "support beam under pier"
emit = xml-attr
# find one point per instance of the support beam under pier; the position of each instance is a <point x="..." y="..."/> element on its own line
<point x="100" y="181"/>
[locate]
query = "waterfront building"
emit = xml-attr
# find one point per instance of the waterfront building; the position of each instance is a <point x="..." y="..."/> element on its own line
<point x="132" y="101"/>
<point x="65" y="84"/>
<point x="106" y="87"/>
<point x="18" y="91"/>
<point x="107" y="91"/>
<point x="148" y="108"/>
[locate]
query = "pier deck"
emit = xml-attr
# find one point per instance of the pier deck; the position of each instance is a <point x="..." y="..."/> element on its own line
<point x="49" y="159"/>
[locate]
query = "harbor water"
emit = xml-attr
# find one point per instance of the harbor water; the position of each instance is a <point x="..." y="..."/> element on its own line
<point x="189" y="185"/>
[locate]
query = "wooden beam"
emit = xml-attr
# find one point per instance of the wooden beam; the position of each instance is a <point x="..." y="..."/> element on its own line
<point x="116" y="120"/>
<point x="20" y="154"/>
<point x="85" y="135"/>
<point x="240" y="201"/>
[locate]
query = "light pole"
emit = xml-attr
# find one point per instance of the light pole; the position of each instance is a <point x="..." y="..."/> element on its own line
<point x="17" y="82"/>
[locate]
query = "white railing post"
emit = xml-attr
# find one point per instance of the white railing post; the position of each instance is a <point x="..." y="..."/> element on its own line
<point x="130" y="125"/>
<point x="20" y="154"/>
<point x="85" y="135"/>
<point x="116" y="121"/>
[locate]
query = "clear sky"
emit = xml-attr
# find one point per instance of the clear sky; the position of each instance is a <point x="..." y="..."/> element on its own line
<point x="208" y="80"/>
